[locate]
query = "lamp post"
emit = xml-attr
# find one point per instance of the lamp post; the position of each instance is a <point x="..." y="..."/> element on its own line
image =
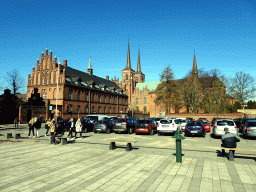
<point x="243" y="105"/>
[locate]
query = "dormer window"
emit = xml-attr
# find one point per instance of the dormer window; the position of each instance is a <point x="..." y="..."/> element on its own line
<point x="84" y="84"/>
<point x="68" y="80"/>
<point x="78" y="83"/>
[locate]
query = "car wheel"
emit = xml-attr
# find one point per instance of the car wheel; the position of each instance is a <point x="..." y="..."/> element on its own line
<point x="85" y="130"/>
<point x="130" y="131"/>
<point x="152" y="132"/>
<point x="158" y="133"/>
<point x="108" y="131"/>
<point x="94" y="131"/>
<point x="204" y="134"/>
<point x="136" y="133"/>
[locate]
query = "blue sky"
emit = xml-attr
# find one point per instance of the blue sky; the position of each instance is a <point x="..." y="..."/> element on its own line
<point x="222" y="33"/>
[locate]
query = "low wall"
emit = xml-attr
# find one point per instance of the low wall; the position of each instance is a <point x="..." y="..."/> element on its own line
<point x="210" y="116"/>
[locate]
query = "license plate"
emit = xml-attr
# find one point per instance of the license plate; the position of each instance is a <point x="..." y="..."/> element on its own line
<point x="141" y="129"/>
<point x="98" y="129"/>
<point x="118" y="124"/>
<point x="193" y="131"/>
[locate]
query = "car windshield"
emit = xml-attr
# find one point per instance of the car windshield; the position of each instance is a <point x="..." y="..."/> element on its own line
<point x="143" y="121"/>
<point x="157" y="119"/>
<point x="120" y="120"/>
<point x="182" y="120"/>
<point x="102" y="122"/>
<point x="193" y="123"/>
<point x="223" y="123"/>
<point x="252" y="124"/>
<point x="165" y="121"/>
<point x="205" y="122"/>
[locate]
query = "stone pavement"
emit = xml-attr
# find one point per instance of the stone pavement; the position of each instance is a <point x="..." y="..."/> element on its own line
<point x="35" y="165"/>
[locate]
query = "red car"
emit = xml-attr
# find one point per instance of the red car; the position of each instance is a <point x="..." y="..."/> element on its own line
<point x="145" y="126"/>
<point x="206" y="125"/>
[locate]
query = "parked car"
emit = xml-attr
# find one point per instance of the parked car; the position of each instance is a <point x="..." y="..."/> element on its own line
<point x="206" y="125"/>
<point x="183" y="123"/>
<point x="124" y="125"/>
<point x="87" y="125"/>
<point x="189" y="119"/>
<point x="195" y="128"/>
<point x="250" y="128"/>
<point x="215" y="119"/>
<point x="145" y="126"/>
<point x="168" y="126"/>
<point x="238" y="122"/>
<point x="243" y="121"/>
<point x="157" y="119"/>
<point x="220" y="124"/>
<point x="103" y="126"/>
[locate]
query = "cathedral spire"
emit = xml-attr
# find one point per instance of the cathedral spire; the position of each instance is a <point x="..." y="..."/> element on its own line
<point x="128" y="65"/>
<point x="138" y="65"/>
<point x="194" y="70"/>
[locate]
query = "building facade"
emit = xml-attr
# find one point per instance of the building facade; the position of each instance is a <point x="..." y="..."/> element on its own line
<point x="74" y="93"/>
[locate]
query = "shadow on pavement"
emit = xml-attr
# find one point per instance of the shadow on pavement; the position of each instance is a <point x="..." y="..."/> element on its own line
<point x="175" y="154"/>
<point x="247" y="138"/>
<point x="240" y="156"/>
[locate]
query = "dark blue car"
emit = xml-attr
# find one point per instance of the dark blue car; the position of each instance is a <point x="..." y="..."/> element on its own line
<point x="195" y="128"/>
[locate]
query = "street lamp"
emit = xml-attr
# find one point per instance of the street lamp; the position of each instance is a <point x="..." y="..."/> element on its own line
<point x="243" y="105"/>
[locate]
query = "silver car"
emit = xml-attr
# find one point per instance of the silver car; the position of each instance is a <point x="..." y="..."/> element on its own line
<point x="250" y="128"/>
<point x="103" y="126"/>
<point x="220" y="124"/>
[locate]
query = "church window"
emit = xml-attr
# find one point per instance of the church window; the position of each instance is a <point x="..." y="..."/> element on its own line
<point x="145" y="109"/>
<point x="47" y="81"/>
<point x="126" y="77"/>
<point x="137" y="101"/>
<point x="43" y="82"/>
<point x="145" y="100"/>
<point x="44" y="95"/>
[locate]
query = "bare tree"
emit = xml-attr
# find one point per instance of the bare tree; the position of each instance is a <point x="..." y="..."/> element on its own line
<point x="14" y="81"/>
<point x="242" y="86"/>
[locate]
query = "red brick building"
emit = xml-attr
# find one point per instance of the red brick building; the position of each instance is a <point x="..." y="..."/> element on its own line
<point x="78" y="93"/>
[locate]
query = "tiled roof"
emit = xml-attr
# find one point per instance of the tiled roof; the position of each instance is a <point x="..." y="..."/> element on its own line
<point x="73" y="75"/>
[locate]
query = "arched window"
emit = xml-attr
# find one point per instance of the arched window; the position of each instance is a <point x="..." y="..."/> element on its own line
<point x="137" y="101"/>
<point x="86" y="109"/>
<point x="69" y="95"/>
<point x="104" y="99"/>
<point x="78" y="109"/>
<point x="104" y="110"/>
<point x="114" y="110"/>
<point x="78" y="96"/>
<point x="92" y="109"/>
<point x="99" y="98"/>
<point x="92" y="97"/>
<point x="109" y="109"/>
<point x="145" y="109"/>
<point x="145" y="100"/>
<point x="109" y="99"/>
<point x="44" y="95"/>
<point x="86" y="97"/>
<point x="99" y="109"/>
<point x="126" y="77"/>
<point x="69" y="108"/>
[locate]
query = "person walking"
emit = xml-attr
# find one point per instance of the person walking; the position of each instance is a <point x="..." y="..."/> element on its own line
<point x="71" y="127"/>
<point x="78" y="128"/>
<point x="47" y="126"/>
<point x="37" y="124"/>
<point x="16" y="122"/>
<point x="52" y="129"/>
<point x="31" y="127"/>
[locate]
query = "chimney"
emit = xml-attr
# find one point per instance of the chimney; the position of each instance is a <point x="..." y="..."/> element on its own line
<point x="65" y="63"/>
<point x="46" y="51"/>
<point x="55" y="59"/>
<point x="107" y="77"/>
<point x="114" y="77"/>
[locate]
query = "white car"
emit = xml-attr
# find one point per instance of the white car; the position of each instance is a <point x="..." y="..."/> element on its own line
<point x="219" y="125"/>
<point x="183" y="123"/>
<point x="168" y="126"/>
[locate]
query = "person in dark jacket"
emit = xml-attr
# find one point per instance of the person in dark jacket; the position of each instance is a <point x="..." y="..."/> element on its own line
<point x="37" y="125"/>
<point x="71" y="127"/>
<point x="60" y="127"/>
<point x="229" y="140"/>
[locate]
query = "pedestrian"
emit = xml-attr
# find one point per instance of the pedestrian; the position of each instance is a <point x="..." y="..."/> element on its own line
<point x="31" y="127"/>
<point x="47" y="126"/>
<point x="16" y="121"/>
<point x="78" y="128"/>
<point x="229" y="140"/>
<point x="37" y="124"/>
<point x="71" y="127"/>
<point x="52" y="129"/>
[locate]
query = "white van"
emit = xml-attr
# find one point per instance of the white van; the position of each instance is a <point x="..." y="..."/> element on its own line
<point x="96" y="117"/>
